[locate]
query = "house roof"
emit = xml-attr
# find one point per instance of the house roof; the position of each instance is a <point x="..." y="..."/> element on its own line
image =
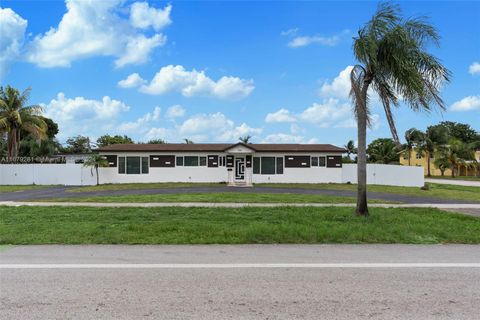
<point x="219" y="147"/>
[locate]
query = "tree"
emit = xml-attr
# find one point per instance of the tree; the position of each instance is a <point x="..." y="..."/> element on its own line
<point x="187" y="141"/>
<point x="156" y="141"/>
<point x="107" y="140"/>
<point x="393" y="62"/>
<point x="78" y="144"/>
<point x="431" y="140"/>
<point x="31" y="147"/>
<point x="245" y="139"/>
<point x="382" y="150"/>
<point x="16" y="116"/>
<point x="96" y="161"/>
<point x="350" y="147"/>
<point x="460" y="131"/>
<point x="413" y="137"/>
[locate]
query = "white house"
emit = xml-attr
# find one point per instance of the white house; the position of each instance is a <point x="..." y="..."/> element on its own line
<point x="235" y="164"/>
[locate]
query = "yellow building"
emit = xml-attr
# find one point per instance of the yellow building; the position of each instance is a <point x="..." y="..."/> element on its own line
<point x="420" y="160"/>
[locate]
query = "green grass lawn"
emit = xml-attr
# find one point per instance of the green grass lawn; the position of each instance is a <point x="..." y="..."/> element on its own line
<point x="435" y="190"/>
<point x="454" y="178"/>
<point x="83" y="225"/>
<point x="139" y="186"/>
<point x="216" y="197"/>
<point x="15" y="188"/>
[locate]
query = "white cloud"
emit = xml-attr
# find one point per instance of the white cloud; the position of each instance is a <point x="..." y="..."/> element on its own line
<point x="175" y="111"/>
<point x="93" y="28"/>
<point x="339" y="87"/>
<point x="327" y="113"/>
<point x="195" y="83"/>
<point x="289" y="32"/>
<point x="138" y="48"/>
<point x="474" y="68"/>
<point x="467" y="104"/>
<point x="214" y="127"/>
<point x="302" y="41"/>
<point x="282" y="115"/>
<point x="143" y="16"/>
<point x="12" y="34"/>
<point x="132" y="81"/>
<point x="83" y="116"/>
<point x="158" y="133"/>
<point x="287" y="138"/>
<point x="142" y="123"/>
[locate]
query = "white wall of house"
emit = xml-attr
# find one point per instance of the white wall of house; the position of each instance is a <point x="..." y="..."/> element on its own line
<point x="76" y="174"/>
<point x="385" y="174"/>
<point x="46" y="174"/>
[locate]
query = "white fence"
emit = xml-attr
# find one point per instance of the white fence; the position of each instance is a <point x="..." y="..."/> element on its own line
<point x="55" y="174"/>
<point x="76" y="174"/>
<point x="386" y="174"/>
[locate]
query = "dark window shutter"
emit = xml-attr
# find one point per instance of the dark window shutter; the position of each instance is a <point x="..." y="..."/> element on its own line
<point x="212" y="161"/>
<point x="334" y="161"/>
<point x="229" y="161"/>
<point x="248" y="161"/>
<point x="112" y="161"/>
<point x="297" y="161"/>
<point x="162" y="161"/>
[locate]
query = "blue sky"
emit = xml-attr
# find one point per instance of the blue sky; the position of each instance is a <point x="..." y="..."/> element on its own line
<point x="213" y="71"/>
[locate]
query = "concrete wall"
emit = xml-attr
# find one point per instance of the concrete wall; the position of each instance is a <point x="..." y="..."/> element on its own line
<point x="46" y="174"/>
<point x="76" y="174"/>
<point x="385" y="174"/>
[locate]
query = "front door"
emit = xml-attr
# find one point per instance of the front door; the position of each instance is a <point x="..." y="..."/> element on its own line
<point x="239" y="168"/>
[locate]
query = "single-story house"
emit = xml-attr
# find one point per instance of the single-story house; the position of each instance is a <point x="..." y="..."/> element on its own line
<point x="235" y="164"/>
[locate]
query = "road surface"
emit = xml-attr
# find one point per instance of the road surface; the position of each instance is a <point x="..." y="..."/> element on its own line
<point x="240" y="282"/>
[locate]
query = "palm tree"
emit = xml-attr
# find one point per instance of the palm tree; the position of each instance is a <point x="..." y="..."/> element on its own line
<point x="394" y="63"/>
<point x="430" y="141"/>
<point x="96" y="161"/>
<point x="188" y="141"/>
<point x="350" y="147"/>
<point x="245" y="139"/>
<point x="413" y="136"/>
<point x="16" y="116"/>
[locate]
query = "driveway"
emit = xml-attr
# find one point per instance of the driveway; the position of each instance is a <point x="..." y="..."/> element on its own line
<point x="61" y="192"/>
<point x="240" y="282"/>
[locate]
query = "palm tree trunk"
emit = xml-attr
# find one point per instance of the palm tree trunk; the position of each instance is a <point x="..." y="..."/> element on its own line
<point x="391" y="124"/>
<point x="96" y="171"/>
<point x="362" y="206"/>
<point x="428" y="164"/>
<point x="409" y="154"/>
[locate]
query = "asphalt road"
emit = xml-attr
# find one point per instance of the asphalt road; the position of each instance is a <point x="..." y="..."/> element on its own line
<point x="240" y="282"/>
<point x="61" y="192"/>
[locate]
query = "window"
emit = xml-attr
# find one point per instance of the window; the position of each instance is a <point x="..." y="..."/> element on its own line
<point x="256" y="165"/>
<point x="279" y="165"/>
<point x="334" y="161"/>
<point x="212" y="161"/>
<point x="267" y="165"/>
<point x="144" y="165"/>
<point x="179" y="161"/>
<point x="121" y="164"/>
<point x="314" y="161"/>
<point x="203" y="161"/>
<point x="191" y="161"/>
<point x="321" y="161"/>
<point x="133" y="165"/>
<point x="418" y="155"/>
